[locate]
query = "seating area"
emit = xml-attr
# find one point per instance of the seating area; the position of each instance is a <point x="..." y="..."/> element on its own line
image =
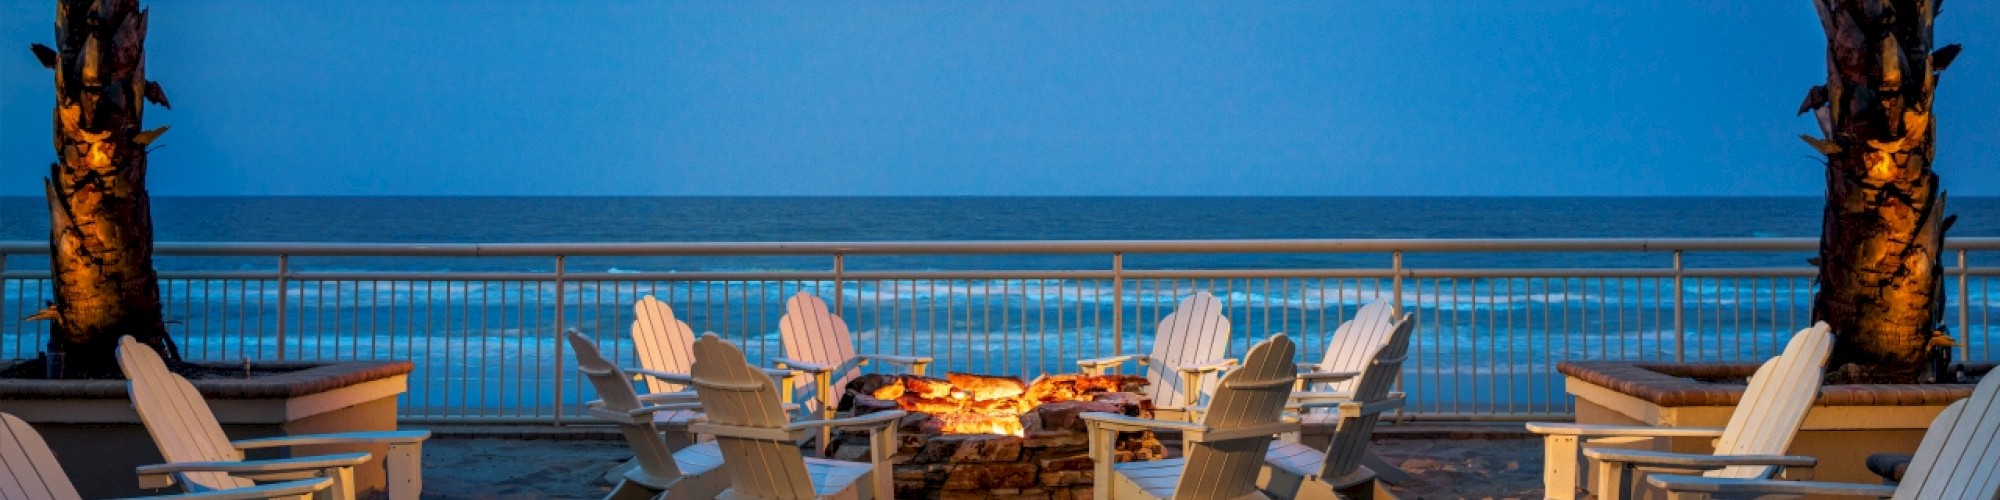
<point x="698" y="419"/>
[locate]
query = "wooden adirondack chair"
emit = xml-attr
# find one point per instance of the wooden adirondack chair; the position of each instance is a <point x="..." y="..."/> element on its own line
<point x="1762" y="426"/>
<point x="758" y="443"/>
<point x="187" y="434"/>
<point x="1226" y="448"/>
<point x="1325" y="386"/>
<point x="656" y="467"/>
<point x="665" y="348"/>
<point x="1959" y="458"/>
<point x="817" y="343"/>
<point x="1345" y="468"/>
<point x="1351" y="351"/>
<point x="28" y="471"/>
<point x="1190" y="345"/>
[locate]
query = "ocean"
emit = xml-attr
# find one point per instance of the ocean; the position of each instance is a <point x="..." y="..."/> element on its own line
<point x="486" y="348"/>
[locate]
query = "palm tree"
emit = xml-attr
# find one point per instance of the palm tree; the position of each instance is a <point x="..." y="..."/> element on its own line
<point x="1881" y="249"/>
<point x="101" y="231"/>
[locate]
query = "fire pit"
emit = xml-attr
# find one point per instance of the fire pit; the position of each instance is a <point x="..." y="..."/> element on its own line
<point x="975" y="436"/>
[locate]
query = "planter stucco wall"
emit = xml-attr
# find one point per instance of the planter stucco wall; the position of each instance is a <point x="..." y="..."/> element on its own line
<point x="96" y="435"/>
<point x="1845" y="425"/>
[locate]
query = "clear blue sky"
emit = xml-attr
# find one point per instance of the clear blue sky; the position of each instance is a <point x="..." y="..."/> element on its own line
<point x="1614" y="97"/>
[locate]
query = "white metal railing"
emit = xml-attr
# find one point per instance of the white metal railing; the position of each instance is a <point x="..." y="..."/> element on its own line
<point x="486" y="348"/>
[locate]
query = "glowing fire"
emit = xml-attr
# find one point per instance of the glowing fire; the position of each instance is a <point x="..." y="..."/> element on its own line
<point x="973" y="404"/>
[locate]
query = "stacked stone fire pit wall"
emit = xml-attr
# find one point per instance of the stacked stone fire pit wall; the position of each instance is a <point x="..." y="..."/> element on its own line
<point x="1051" y="460"/>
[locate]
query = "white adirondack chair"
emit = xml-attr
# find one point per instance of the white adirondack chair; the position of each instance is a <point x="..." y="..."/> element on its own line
<point x="1345" y="469"/>
<point x="1331" y="382"/>
<point x="1226" y="447"/>
<point x="28" y="471"/>
<point x="665" y="348"/>
<point x="1351" y="350"/>
<point x="1959" y="458"/>
<point x="758" y="443"/>
<point x="192" y="441"/>
<point x="656" y="467"/>
<point x="817" y="343"/>
<point x="1190" y="345"/>
<point x="1765" y="420"/>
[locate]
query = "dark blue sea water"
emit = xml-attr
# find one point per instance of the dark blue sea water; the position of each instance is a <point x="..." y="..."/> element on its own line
<point x="508" y="220"/>
<point x="488" y="347"/>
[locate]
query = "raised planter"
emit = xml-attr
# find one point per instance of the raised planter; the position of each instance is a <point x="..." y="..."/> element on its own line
<point x="97" y="436"/>
<point x="1845" y="425"/>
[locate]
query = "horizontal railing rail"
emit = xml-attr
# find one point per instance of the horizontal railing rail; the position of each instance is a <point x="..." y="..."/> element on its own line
<point x="486" y="346"/>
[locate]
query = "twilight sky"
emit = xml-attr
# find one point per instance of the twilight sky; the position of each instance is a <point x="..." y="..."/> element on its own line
<point x="582" y="97"/>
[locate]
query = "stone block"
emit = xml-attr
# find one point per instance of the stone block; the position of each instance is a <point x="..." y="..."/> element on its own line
<point x="989" y="476"/>
<point x="1073" y="462"/>
<point x="1064" y="415"/>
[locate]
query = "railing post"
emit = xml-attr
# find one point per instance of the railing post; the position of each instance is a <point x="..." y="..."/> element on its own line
<point x="284" y="299"/>
<point x="1680" y="332"/>
<point x="1118" y="303"/>
<point x="1964" y="305"/>
<point x="1396" y="281"/>
<point x="839" y="267"/>
<point x="561" y="330"/>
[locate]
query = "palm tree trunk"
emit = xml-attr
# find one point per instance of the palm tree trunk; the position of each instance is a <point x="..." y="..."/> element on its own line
<point x="1881" y="249"/>
<point x="101" y="231"/>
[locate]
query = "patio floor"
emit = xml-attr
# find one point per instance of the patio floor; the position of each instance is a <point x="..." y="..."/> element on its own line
<point x="1446" y="464"/>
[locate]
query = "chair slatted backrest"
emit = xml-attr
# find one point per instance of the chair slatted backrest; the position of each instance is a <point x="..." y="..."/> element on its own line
<point x="177" y="417"/>
<point x="664" y="343"/>
<point x="28" y="470"/>
<point x="1775" y="403"/>
<point x="736" y="394"/>
<point x="1353" y="345"/>
<point x="1196" y="332"/>
<point x="1253" y="394"/>
<point x="614" y="389"/>
<point x="1352" y="434"/>
<point x="815" y="335"/>
<point x="1960" y="454"/>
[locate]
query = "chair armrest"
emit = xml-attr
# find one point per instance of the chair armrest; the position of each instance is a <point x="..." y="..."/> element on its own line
<point x="1209" y="366"/>
<point x="1587" y="430"/>
<point x="286" y="489"/>
<point x="1694" y="460"/>
<point x="162" y="475"/>
<point x="380" y="437"/>
<point x="677" y="378"/>
<point x="1235" y="433"/>
<point x="786" y="435"/>
<point x="686" y="396"/>
<point x="781" y="374"/>
<point x="905" y="361"/>
<point x="1890" y="466"/>
<point x="1118" y="422"/>
<point x="1326" y="377"/>
<point x="1110" y="361"/>
<point x="790" y="364"/>
<point x="1350" y="409"/>
<point x="1320" y="395"/>
<point x="1754" y="487"/>
<point x="872" y="419"/>
<point x="278" y="465"/>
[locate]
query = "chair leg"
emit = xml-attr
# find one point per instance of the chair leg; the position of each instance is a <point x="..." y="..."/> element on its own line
<point x="343" y="485"/>
<point x="1383" y="470"/>
<point x="405" y="470"/>
<point x="628" y="490"/>
<point x="1614" y="480"/>
<point x="1560" y="477"/>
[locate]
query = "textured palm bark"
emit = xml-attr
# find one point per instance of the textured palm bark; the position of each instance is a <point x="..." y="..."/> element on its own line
<point x="101" y="231"/>
<point x="1880" y="267"/>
